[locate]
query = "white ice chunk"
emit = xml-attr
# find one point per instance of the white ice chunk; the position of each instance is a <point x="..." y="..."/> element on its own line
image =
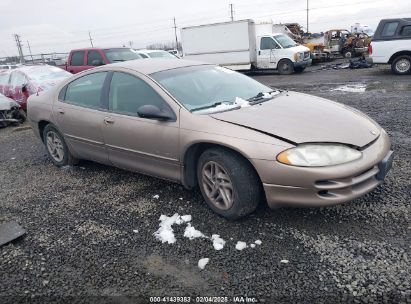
<point x="240" y="245"/>
<point x="218" y="242"/>
<point x="186" y="218"/>
<point x="165" y="232"/>
<point x="258" y="242"/>
<point x="192" y="233"/>
<point x="284" y="261"/>
<point x="252" y="245"/>
<point x="156" y="196"/>
<point x="203" y="262"/>
<point x="242" y="102"/>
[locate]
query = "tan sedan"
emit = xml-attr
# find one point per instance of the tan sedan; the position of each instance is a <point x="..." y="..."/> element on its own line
<point x="202" y="125"/>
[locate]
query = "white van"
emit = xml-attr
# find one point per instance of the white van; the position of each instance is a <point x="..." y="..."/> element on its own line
<point x="240" y="45"/>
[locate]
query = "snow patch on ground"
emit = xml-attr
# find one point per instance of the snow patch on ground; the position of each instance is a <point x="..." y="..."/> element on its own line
<point x="218" y="242"/>
<point x="252" y="245"/>
<point x="166" y="233"/>
<point x="258" y="242"/>
<point x="352" y="88"/>
<point x="203" y="262"/>
<point x="156" y="196"/>
<point x="192" y="233"/>
<point x="240" y="245"/>
<point x="284" y="261"/>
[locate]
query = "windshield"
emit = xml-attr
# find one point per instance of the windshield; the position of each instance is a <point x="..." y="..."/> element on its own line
<point x="115" y="55"/>
<point x="285" y="41"/>
<point x="46" y="73"/>
<point x="202" y="86"/>
<point x="160" y="54"/>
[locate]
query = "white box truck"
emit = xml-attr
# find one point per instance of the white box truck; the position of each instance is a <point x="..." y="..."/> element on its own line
<point x="243" y="45"/>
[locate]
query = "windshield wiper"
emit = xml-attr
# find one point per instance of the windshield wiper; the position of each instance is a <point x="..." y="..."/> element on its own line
<point x="260" y="97"/>
<point x="212" y="105"/>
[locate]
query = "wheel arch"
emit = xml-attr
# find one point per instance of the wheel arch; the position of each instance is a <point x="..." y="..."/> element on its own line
<point x="41" y="126"/>
<point x="192" y="154"/>
<point x="395" y="55"/>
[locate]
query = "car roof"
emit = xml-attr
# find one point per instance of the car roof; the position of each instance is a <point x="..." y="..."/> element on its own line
<point x="154" y="65"/>
<point x="30" y="68"/>
<point x="100" y="48"/>
<point x="151" y="51"/>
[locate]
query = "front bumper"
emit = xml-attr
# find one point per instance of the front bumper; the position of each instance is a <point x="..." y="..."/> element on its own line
<point x="303" y="64"/>
<point x="314" y="187"/>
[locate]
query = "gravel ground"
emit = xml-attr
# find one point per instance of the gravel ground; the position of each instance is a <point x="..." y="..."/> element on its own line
<point x="90" y="228"/>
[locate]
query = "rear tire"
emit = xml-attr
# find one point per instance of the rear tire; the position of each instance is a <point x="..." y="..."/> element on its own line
<point x="57" y="148"/>
<point x="285" y="67"/>
<point x="232" y="189"/>
<point x="348" y="54"/>
<point x="401" y="65"/>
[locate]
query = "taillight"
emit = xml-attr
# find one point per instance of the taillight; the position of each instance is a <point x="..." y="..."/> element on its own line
<point x="370" y="49"/>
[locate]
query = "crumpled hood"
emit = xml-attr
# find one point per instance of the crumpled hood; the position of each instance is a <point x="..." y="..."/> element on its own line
<point x="302" y="118"/>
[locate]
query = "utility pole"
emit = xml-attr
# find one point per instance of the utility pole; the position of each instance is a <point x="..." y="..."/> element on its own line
<point x="307" y="14"/>
<point x="18" y="43"/>
<point x="232" y="11"/>
<point x="175" y="32"/>
<point x="91" y="40"/>
<point x="31" y="55"/>
<point x="131" y="44"/>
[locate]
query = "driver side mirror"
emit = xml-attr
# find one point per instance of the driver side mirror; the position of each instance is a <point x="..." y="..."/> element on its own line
<point x="154" y="112"/>
<point x="24" y="88"/>
<point x="97" y="62"/>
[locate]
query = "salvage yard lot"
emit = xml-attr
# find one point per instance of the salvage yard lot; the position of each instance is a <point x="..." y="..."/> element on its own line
<point x="90" y="228"/>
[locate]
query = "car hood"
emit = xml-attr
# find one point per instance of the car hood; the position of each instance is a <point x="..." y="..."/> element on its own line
<point x="7" y="103"/>
<point x="301" y="118"/>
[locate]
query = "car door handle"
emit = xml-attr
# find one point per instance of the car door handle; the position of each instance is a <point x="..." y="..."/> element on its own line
<point x="108" y="120"/>
<point x="61" y="111"/>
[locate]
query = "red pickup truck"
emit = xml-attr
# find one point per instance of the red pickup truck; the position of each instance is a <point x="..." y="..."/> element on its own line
<point x="88" y="58"/>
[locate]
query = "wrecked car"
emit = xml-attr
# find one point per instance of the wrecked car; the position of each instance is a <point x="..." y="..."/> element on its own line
<point x="29" y="80"/>
<point x="206" y="126"/>
<point x="10" y="112"/>
<point x="343" y="42"/>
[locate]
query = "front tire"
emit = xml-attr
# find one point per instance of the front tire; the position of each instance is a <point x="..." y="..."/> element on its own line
<point x="401" y="65"/>
<point x="285" y="67"/>
<point x="228" y="183"/>
<point x="299" y="69"/>
<point x="57" y="148"/>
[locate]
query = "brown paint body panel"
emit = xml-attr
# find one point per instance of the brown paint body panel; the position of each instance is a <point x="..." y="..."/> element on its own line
<point x="303" y="118"/>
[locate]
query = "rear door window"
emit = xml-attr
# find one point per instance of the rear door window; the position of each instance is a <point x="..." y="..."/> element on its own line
<point x="77" y="59"/>
<point x="86" y="91"/>
<point x="389" y="29"/>
<point x="94" y="56"/>
<point x="406" y="30"/>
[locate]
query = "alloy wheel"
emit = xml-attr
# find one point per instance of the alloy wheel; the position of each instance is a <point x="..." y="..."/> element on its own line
<point x="217" y="185"/>
<point x="55" y="146"/>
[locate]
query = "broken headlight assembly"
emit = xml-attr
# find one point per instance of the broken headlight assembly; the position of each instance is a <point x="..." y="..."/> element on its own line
<point x="299" y="56"/>
<point x="318" y="155"/>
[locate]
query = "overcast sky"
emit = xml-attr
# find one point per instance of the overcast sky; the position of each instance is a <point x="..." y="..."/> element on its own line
<point x="60" y="25"/>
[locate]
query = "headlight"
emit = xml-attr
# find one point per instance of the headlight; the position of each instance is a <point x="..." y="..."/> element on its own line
<point x="299" y="56"/>
<point x="318" y="155"/>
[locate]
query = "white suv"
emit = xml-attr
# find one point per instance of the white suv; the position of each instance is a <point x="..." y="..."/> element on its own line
<point x="391" y="44"/>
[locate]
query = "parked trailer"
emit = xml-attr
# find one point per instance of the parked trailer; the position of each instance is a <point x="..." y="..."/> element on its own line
<point x="242" y="45"/>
